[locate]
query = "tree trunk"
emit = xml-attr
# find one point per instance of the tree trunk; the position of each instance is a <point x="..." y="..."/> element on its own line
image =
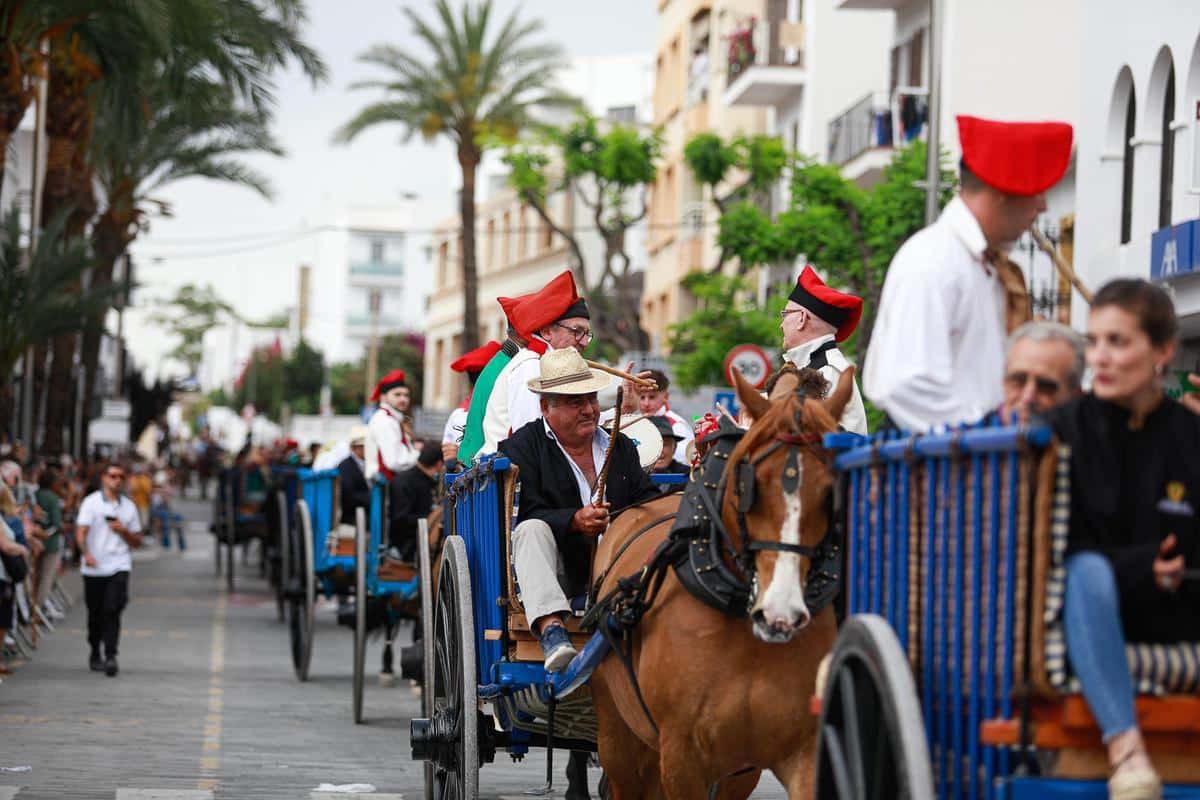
<point x="468" y="160"/>
<point x="110" y="240"/>
<point x="16" y="93"/>
<point x="68" y="190"/>
<point x="7" y="400"/>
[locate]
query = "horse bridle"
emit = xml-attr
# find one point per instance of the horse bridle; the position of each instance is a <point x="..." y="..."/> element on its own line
<point x="745" y="490"/>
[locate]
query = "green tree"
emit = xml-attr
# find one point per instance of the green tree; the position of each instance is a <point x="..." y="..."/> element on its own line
<point x="36" y="300"/>
<point x="742" y="170"/>
<point x="848" y="232"/>
<point x="478" y="84"/>
<point x="404" y="351"/>
<point x="721" y="321"/>
<point x="609" y="172"/>
<point x="262" y="383"/>
<point x="187" y="315"/>
<point x="303" y="376"/>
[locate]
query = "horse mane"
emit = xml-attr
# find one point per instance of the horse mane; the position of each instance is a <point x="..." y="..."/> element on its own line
<point x="812" y="387"/>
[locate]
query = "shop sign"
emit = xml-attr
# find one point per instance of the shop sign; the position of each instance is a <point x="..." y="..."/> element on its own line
<point x="1174" y="250"/>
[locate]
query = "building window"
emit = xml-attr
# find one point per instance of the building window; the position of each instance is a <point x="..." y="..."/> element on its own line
<point x="1127" y="169"/>
<point x="1166" y="175"/>
<point x="377" y="251"/>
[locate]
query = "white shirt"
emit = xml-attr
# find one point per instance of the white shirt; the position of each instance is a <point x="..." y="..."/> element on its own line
<point x="456" y="423"/>
<point x="599" y="445"/>
<point x="386" y="442"/>
<point x="106" y="546"/>
<point x="511" y="404"/>
<point x="854" y="418"/>
<point x="937" y="351"/>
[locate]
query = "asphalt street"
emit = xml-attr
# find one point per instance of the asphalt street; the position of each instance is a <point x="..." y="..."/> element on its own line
<point x="207" y="706"/>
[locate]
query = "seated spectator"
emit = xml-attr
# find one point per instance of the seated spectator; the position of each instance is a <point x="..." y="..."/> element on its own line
<point x="667" y="463"/>
<point x="1135" y="480"/>
<point x="1043" y="368"/>
<point x="352" y="477"/>
<point x="10" y="547"/>
<point x="413" y="492"/>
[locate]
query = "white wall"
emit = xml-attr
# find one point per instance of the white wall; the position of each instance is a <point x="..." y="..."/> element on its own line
<point x="1121" y="50"/>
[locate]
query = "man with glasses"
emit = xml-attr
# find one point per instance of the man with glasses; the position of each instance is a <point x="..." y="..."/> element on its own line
<point x="814" y="321"/>
<point x="106" y="527"/>
<point x="1043" y="368"/>
<point x="552" y="318"/>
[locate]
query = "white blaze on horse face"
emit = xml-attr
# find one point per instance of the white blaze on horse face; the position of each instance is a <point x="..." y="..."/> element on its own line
<point x="783" y="603"/>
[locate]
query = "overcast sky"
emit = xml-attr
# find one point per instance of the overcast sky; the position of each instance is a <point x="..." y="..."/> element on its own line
<point x="248" y="248"/>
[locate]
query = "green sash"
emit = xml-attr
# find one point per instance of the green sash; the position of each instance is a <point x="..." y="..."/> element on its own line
<point x="473" y="432"/>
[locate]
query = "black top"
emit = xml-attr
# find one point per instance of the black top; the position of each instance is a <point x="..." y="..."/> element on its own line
<point x="355" y="492"/>
<point x="549" y="492"/>
<point x="1121" y="479"/>
<point x="674" y="468"/>
<point x="412" y="493"/>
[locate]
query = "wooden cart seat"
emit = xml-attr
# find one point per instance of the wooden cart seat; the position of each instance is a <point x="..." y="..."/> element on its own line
<point x="525" y="646"/>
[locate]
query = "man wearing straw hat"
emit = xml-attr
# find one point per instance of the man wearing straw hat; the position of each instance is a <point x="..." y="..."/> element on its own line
<point x="561" y="457"/>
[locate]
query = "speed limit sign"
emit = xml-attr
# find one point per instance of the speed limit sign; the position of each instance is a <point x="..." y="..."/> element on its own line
<point x="750" y="360"/>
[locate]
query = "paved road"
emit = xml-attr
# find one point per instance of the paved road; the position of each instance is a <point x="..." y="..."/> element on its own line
<point x="206" y="705"/>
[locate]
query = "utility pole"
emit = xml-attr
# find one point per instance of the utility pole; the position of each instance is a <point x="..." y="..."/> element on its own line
<point x="302" y="314"/>
<point x="375" y="300"/>
<point x="933" y="155"/>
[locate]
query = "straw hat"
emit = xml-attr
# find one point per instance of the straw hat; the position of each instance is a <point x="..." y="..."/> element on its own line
<point x="358" y="435"/>
<point x="565" y="372"/>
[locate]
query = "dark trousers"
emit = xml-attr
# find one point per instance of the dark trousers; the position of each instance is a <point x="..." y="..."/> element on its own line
<point x="106" y="598"/>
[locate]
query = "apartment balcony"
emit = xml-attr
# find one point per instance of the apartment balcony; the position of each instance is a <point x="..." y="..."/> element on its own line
<point x="871" y="5"/>
<point x="862" y="138"/>
<point x="766" y="64"/>
<point x="359" y="324"/>
<point x="378" y="274"/>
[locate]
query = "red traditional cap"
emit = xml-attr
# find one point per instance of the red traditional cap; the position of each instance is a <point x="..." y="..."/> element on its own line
<point x="390" y="381"/>
<point x="529" y="313"/>
<point x="839" y="309"/>
<point x="477" y="359"/>
<point x="1021" y="158"/>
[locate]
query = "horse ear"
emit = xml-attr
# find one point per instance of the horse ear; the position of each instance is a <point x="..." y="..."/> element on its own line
<point x="755" y="404"/>
<point x="836" y="404"/>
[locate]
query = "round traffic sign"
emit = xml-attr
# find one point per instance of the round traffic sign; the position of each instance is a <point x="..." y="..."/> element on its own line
<point x="750" y="360"/>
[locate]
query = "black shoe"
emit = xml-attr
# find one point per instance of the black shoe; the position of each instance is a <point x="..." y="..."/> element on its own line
<point x="96" y="663"/>
<point x="110" y="666"/>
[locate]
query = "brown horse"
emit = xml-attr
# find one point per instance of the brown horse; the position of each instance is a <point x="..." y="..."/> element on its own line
<point x="728" y="696"/>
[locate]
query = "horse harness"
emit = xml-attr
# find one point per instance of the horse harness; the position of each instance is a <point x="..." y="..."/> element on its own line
<point x="700" y="548"/>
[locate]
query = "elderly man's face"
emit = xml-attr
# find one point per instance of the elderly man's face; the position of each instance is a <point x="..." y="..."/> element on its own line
<point x="572" y="417"/>
<point x="1037" y="376"/>
<point x="569" y="332"/>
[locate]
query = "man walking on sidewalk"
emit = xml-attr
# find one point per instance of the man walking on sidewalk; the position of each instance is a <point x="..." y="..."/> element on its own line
<point x="106" y="527"/>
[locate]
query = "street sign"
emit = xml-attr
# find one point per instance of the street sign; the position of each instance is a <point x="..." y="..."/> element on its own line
<point x="750" y="360"/>
<point x="728" y="401"/>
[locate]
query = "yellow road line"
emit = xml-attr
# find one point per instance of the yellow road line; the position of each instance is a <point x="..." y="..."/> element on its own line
<point x="210" y="762"/>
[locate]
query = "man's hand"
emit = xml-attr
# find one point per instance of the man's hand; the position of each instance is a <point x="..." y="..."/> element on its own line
<point x="449" y="451"/>
<point x="1191" y="400"/>
<point x="591" y="520"/>
<point x="89" y="559"/>
<point x="1168" y="572"/>
<point x="116" y="527"/>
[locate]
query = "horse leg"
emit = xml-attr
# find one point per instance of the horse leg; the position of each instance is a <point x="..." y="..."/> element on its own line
<point x="630" y="767"/>
<point x="797" y="773"/>
<point x="681" y="767"/>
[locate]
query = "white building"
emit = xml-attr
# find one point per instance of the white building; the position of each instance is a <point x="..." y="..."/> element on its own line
<point x="366" y="277"/>
<point x="227" y="351"/>
<point x="1137" y="162"/>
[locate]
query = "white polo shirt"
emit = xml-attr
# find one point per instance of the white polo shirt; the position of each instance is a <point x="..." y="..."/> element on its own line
<point x="107" y="547"/>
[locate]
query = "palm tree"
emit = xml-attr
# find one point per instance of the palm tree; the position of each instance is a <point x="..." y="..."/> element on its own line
<point x="241" y="41"/>
<point x="37" y="301"/>
<point x="477" y="84"/>
<point x="199" y="132"/>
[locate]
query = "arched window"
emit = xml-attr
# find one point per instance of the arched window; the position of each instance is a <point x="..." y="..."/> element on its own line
<point x="1127" y="169"/>
<point x="1166" y="173"/>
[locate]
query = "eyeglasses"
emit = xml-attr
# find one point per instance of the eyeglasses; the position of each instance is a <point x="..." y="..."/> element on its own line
<point x="783" y="314"/>
<point x="1047" y="387"/>
<point x="582" y="335"/>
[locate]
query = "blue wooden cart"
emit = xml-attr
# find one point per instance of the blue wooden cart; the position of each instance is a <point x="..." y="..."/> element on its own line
<point x="949" y="678"/>
<point x="323" y="560"/>
<point x="483" y="651"/>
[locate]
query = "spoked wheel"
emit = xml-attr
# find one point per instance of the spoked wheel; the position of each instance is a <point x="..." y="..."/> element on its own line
<point x="425" y="564"/>
<point x="301" y="605"/>
<point x="449" y="739"/>
<point x="360" y="610"/>
<point x="871" y="741"/>
<point x="281" y="572"/>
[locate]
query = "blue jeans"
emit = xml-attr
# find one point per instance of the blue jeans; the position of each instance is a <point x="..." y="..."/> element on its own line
<point x="1096" y="642"/>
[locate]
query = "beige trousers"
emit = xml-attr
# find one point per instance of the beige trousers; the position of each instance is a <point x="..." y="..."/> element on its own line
<point x="539" y="568"/>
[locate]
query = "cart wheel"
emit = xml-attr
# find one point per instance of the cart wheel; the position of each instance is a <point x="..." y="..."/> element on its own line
<point x="300" y="628"/>
<point x="360" y="609"/>
<point x="425" y="564"/>
<point x="871" y="740"/>
<point x="451" y="739"/>
<point x="284" y="572"/>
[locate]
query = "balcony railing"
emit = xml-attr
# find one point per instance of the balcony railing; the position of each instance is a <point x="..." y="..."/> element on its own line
<point x="381" y="269"/>
<point x="765" y="44"/>
<point x="864" y="126"/>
